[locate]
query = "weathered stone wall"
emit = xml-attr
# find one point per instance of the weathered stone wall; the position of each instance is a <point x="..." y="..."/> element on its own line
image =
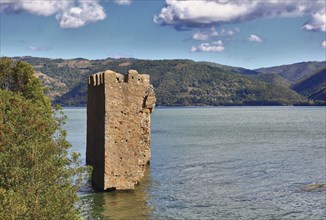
<point x="96" y="128"/>
<point x="118" y="128"/>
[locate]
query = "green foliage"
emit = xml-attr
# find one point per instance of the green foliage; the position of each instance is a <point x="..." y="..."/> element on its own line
<point x="177" y="82"/>
<point x="313" y="86"/>
<point x="19" y="79"/>
<point x="79" y="97"/>
<point x="273" y="79"/>
<point x="69" y="76"/>
<point x="294" y="72"/>
<point x="185" y="82"/>
<point x="38" y="179"/>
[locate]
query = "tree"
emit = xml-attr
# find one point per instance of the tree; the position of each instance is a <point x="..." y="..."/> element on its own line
<point x="38" y="178"/>
<point x="19" y="79"/>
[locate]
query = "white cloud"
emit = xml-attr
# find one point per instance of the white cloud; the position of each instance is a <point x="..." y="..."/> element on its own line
<point x="39" y="48"/>
<point x="70" y="14"/>
<point x="229" y="32"/>
<point x="187" y="14"/>
<point x="255" y="38"/>
<point x="44" y="8"/>
<point x="123" y="2"/>
<point x="323" y="44"/>
<point x="318" y="22"/>
<point x="86" y="12"/>
<point x="200" y="36"/>
<point x="217" y="46"/>
<point x="212" y="32"/>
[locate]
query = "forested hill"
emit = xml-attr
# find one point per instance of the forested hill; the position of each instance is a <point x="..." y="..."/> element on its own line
<point x="176" y="82"/>
<point x="295" y="72"/>
<point x="313" y="86"/>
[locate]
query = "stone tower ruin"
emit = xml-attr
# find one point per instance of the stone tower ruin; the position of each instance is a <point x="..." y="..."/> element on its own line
<point x="118" y="128"/>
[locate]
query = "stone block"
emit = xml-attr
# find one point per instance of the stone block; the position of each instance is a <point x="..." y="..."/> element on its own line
<point x="118" y="128"/>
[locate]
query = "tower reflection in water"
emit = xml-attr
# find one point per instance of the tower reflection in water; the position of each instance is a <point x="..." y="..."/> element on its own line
<point x="131" y="204"/>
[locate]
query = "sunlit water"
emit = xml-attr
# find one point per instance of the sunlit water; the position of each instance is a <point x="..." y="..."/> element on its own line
<point x="221" y="163"/>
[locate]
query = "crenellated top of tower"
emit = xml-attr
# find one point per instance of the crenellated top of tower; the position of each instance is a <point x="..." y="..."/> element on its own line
<point x="132" y="77"/>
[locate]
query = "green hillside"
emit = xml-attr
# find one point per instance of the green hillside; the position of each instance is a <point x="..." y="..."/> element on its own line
<point x="273" y="79"/>
<point x="294" y="72"/>
<point x="313" y="87"/>
<point x="176" y="82"/>
<point x="232" y="69"/>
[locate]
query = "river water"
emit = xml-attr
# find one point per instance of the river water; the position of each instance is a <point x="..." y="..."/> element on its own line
<point x="221" y="163"/>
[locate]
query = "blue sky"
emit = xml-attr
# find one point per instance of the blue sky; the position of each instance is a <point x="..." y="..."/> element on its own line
<point x="246" y="33"/>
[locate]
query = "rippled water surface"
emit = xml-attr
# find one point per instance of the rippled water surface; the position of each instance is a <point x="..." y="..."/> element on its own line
<point x="221" y="163"/>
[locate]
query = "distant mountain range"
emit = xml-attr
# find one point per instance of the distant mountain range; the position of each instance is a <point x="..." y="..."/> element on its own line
<point x="186" y="82"/>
